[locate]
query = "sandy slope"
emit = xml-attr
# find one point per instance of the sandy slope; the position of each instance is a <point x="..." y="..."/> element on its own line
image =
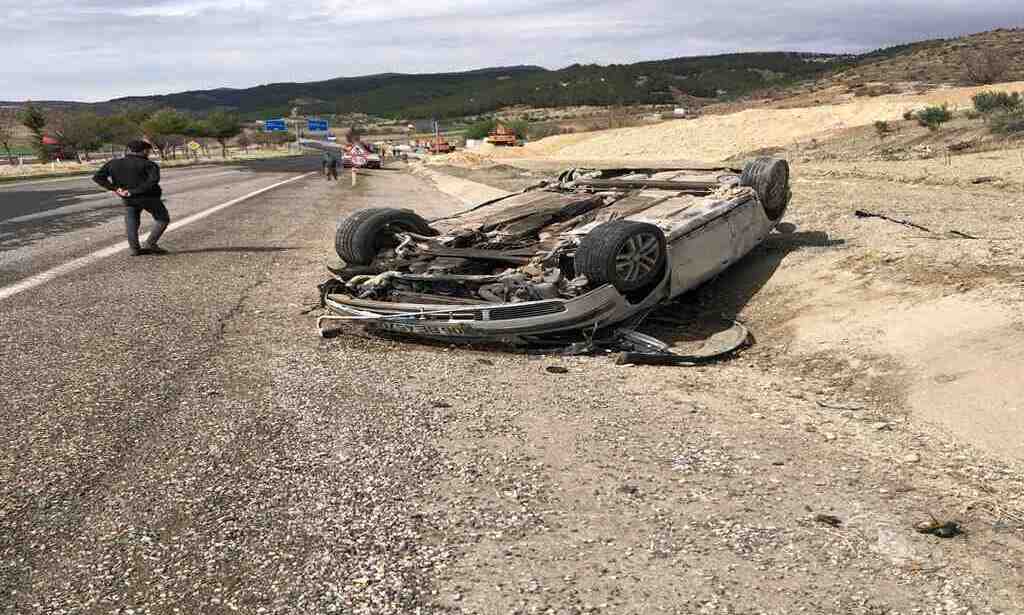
<point x="721" y="136"/>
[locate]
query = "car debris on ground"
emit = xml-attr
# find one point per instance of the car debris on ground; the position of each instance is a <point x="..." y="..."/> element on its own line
<point x="576" y="262"/>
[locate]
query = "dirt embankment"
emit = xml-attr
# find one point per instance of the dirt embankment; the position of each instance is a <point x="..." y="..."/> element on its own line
<point x="882" y="389"/>
<point x="720" y="137"/>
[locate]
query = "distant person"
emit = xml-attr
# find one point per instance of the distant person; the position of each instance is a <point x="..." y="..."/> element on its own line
<point x="324" y="161"/>
<point x="331" y="167"/>
<point x="136" y="179"/>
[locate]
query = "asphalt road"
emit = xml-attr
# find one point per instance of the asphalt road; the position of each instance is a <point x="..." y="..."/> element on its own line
<point x="168" y="427"/>
<point x="43" y="223"/>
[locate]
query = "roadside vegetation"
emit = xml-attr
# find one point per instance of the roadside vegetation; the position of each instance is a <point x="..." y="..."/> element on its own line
<point x="59" y="135"/>
<point x="933" y="117"/>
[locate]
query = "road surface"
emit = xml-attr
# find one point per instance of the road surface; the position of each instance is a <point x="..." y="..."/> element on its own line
<point x="175" y="438"/>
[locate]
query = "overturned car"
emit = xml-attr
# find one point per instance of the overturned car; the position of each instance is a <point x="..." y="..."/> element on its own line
<point x="584" y="252"/>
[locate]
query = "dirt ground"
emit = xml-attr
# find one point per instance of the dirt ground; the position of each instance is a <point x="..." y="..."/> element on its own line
<point x="884" y="388"/>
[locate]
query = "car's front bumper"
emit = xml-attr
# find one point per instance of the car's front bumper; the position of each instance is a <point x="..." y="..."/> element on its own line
<point x="506" y="322"/>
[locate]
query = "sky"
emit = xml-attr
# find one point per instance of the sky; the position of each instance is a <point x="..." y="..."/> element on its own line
<point x="92" y="50"/>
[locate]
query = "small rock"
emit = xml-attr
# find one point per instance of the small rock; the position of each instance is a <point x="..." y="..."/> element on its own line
<point x="485" y="362"/>
<point x="830" y="437"/>
<point x="912" y="458"/>
<point x="629" y="489"/>
<point x="556" y="369"/>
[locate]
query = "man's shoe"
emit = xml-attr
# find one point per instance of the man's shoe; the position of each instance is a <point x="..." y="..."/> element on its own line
<point x="154" y="249"/>
<point x="138" y="251"/>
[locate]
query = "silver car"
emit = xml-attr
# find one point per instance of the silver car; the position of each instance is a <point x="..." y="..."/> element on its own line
<point x="588" y="250"/>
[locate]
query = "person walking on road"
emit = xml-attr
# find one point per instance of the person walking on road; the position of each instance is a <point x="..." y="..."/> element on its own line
<point x="136" y="179"/>
<point x="331" y="164"/>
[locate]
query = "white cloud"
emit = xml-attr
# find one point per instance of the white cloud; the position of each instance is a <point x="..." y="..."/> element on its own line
<point x="99" y="49"/>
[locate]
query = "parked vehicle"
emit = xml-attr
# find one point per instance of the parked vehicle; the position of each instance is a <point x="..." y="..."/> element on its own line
<point x="366" y="157"/>
<point x="588" y="250"/>
<point x="502" y="135"/>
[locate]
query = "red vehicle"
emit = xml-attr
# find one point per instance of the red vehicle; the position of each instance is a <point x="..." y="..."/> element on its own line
<point x="440" y="146"/>
<point x="361" y="156"/>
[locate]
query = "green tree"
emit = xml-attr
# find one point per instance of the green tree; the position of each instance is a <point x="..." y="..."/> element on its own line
<point x="934" y="117"/>
<point x="162" y="128"/>
<point x="989" y="102"/>
<point x="138" y="115"/>
<point x="81" y="132"/>
<point x="8" y="122"/>
<point x="118" y="130"/>
<point x="221" y="126"/>
<point x="34" y="118"/>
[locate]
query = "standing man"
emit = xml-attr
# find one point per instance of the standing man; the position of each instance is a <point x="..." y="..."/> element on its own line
<point x="331" y="166"/>
<point x="136" y="179"/>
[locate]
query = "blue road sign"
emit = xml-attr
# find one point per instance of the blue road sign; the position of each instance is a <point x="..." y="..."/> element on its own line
<point x="316" y="125"/>
<point x="275" y="126"/>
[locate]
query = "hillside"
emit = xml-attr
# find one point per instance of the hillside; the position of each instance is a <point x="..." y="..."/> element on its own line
<point x="937" y="61"/>
<point x="482" y="91"/>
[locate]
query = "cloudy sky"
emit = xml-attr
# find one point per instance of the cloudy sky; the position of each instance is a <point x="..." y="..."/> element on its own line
<point x="100" y="49"/>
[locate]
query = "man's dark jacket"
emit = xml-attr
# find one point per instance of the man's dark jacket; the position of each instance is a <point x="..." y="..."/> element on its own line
<point x="136" y="174"/>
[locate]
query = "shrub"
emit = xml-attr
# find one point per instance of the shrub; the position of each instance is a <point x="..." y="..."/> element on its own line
<point x="934" y="117"/>
<point x="882" y="128"/>
<point x="993" y="102"/>
<point x="909" y="114"/>
<point x="1011" y="123"/>
<point x="984" y="66"/>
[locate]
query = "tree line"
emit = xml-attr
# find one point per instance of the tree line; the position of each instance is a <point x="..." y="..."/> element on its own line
<point x="58" y="133"/>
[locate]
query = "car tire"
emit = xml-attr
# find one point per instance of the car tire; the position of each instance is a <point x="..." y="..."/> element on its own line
<point x="362" y="235"/>
<point x="769" y="177"/>
<point x="628" y="255"/>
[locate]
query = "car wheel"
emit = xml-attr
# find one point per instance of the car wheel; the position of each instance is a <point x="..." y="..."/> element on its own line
<point x="769" y="177"/>
<point x="362" y="235"/>
<point x="626" y="254"/>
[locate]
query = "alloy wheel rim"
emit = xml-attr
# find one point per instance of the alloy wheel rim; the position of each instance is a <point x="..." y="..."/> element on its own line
<point x="638" y="257"/>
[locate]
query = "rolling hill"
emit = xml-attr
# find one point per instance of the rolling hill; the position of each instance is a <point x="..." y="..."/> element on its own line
<point x="710" y="78"/>
<point x="445" y="95"/>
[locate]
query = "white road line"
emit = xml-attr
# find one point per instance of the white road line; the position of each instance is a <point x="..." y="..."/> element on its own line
<point x="42" y="278"/>
<point x="78" y="206"/>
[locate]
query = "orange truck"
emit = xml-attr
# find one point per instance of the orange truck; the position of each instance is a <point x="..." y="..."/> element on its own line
<point x="502" y="135"/>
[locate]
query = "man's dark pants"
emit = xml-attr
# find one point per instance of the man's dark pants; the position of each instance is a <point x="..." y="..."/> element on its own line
<point x="133" y="219"/>
<point x="332" y="173"/>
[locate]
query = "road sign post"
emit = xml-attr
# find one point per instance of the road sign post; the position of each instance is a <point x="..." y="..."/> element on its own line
<point x="276" y="125"/>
